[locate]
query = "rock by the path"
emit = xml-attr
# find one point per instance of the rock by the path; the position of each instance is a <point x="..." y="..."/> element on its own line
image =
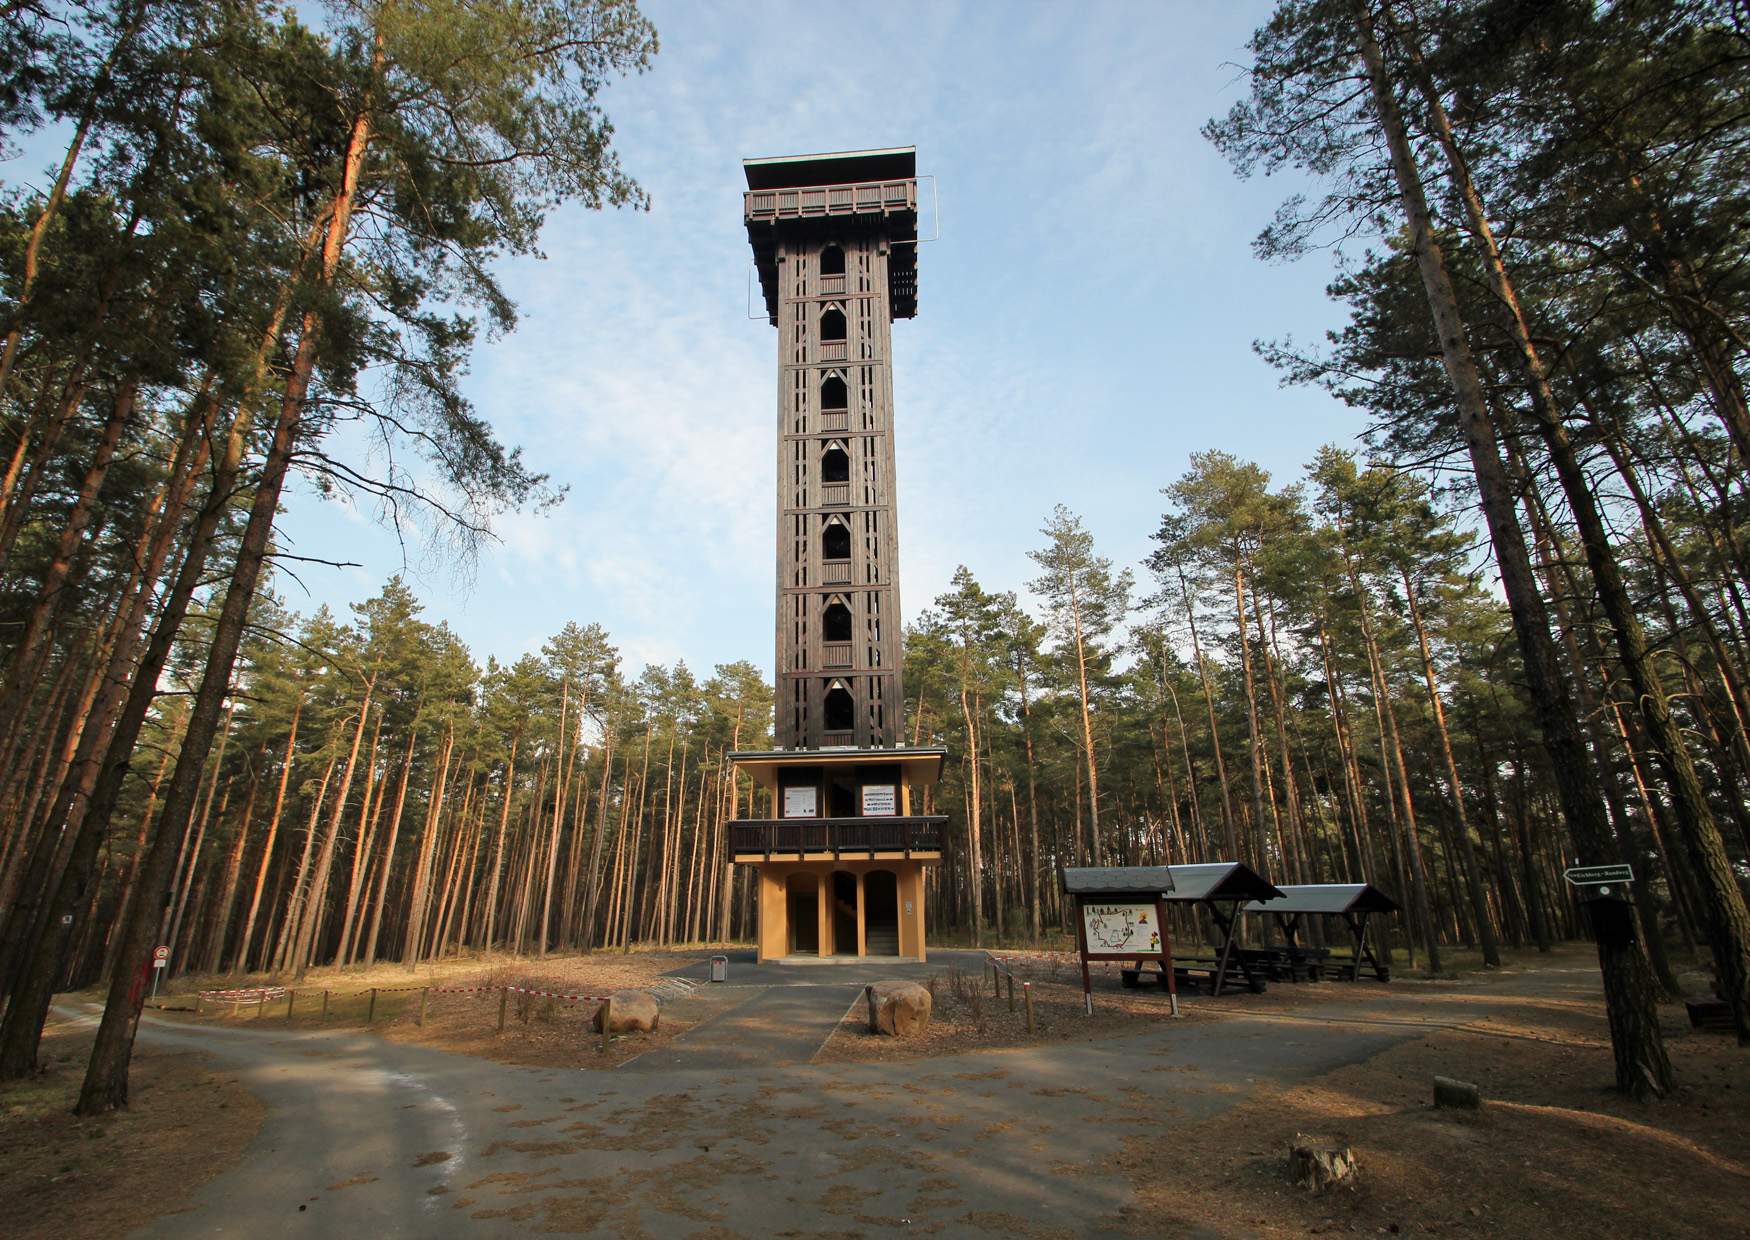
<point x="1317" y="1164"/>
<point x="1449" y="1092"/>
<point x="634" y="1011"/>
<point x="902" y="1009"/>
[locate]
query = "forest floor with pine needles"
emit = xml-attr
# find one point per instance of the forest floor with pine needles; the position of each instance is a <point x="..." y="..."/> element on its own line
<point x="89" y="1179"/>
<point x="1552" y="1149"/>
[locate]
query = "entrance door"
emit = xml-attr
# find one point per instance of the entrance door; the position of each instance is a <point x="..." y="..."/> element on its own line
<point x="844" y="913"/>
<point x="804" y="911"/>
<point x="881" y="912"/>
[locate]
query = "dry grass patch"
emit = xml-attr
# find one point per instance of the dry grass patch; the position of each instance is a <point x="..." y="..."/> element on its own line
<point x="538" y="1030"/>
<point x="89" y="1179"/>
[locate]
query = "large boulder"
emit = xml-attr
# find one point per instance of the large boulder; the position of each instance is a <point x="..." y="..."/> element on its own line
<point x="634" y="1011"/>
<point x="902" y="1009"/>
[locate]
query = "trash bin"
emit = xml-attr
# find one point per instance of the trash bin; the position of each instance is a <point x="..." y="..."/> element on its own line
<point x="720" y="968"/>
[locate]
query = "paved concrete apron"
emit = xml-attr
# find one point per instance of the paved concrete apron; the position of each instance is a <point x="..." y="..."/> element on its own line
<point x="774" y="1025"/>
<point x="369" y="1137"/>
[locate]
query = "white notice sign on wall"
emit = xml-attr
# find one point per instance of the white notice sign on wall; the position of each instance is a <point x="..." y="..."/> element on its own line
<point x="1114" y="929"/>
<point x="801" y="802"/>
<point x="880" y="800"/>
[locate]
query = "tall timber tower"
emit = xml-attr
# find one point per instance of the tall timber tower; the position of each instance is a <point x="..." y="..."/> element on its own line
<point x="835" y="239"/>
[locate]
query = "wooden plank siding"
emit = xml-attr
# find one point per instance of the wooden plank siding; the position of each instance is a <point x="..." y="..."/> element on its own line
<point x="790" y="229"/>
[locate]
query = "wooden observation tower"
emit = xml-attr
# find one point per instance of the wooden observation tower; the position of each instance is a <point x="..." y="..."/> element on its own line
<point x="841" y="858"/>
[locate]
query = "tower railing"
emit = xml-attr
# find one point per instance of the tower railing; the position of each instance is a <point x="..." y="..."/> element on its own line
<point x="836" y="835"/>
<point x="812" y="201"/>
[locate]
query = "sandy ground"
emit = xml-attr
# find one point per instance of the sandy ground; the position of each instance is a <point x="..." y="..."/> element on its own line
<point x="1553" y="1150"/>
<point x="1132" y="1124"/>
<point x="462" y="1007"/>
<point x="79" y="1179"/>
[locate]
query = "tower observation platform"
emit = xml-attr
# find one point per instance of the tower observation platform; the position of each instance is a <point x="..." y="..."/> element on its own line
<point x="841" y="857"/>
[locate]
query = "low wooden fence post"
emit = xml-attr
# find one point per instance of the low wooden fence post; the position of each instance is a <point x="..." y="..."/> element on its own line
<point x="874" y="1026"/>
<point x="371" y="1012"/>
<point x="607" y="1021"/>
<point x="1011" y="992"/>
<point x="260" y="1003"/>
<point x="1027" y="998"/>
<point x="503" y="1003"/>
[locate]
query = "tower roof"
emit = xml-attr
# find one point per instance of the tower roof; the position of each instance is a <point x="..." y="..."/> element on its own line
<point x="893" y="163"/>
<point x="836" y="191"/>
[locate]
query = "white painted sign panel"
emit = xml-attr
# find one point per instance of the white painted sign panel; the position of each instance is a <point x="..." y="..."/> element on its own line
<point x="801" y="802"/>
<point x="880" y="800"/>
<point x="1114" y="929"/>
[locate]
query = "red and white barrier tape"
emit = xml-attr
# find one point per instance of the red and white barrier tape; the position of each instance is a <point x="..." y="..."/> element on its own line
<point x="553" y="994"/>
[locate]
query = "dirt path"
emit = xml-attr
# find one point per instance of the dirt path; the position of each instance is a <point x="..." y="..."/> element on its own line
<point x="366" y="1135"/>
<point x="369" y="1136"/>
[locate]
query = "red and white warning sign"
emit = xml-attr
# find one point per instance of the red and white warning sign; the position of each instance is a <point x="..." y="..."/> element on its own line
<point x="160" y="957"/>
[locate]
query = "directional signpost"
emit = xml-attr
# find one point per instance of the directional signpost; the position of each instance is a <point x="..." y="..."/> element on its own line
<point x="1600" y="887"/>
<point x="1599" y="876"/>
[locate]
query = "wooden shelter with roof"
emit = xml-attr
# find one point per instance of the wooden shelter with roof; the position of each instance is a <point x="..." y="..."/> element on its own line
<point x="1218" y="887"/>
<point x="840" y="860"/>
<point x="1352" y="902"/>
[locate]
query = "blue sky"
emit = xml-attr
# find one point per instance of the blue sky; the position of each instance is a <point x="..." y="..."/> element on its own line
<point x="1085" y="320"/>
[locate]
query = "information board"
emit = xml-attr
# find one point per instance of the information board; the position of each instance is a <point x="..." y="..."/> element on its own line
<point x="880" y="800"/>
<point x="1121" y="929"/>
<point x="801" y="802"/>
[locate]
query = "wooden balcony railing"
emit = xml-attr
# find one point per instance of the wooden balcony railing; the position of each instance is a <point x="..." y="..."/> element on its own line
<point x="863" y="197"/>
<point x="836" y="572"/>
<point x="757" y="837"/>
<point x="835" y="420"/>
<point x="835" y="494"/>
<point x="832" y="350"/>
<point x="835" y="655"/>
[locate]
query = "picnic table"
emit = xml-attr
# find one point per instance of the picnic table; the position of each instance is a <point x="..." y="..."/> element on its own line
<point x="1353" y="903"/>
<point x="1222" y="887"/>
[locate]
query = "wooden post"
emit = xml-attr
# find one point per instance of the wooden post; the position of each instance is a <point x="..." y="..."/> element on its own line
<point x="525" y="1002"/>
<point x="607" y="1022"/>
<point x="503" y="1003"/>
<point x="1027" y="998"/>
<point x="423" y="994"/>
<point x="260" y="1003"/>
<point x="1082" y="948"/>
<point x="996" y="979"/>
<point x="324" y="1007"/>
<point x="1011" y="992"/>
<point x="1169" y="974"/>
<point x="291" y="997"/>
<point x="237" y="1007"/>
<point x="371" y="1014"/>
<point x="869" y="993"/>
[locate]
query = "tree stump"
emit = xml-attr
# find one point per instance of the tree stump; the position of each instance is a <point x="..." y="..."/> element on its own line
<point x="1317" y="1164"/>
<point x="1454" y="1093"/>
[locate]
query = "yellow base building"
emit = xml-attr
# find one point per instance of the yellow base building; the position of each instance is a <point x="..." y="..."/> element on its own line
<point x="841" y="863"/>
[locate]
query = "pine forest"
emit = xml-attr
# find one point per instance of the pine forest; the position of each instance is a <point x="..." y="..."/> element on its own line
<point x="1503" y="630"/>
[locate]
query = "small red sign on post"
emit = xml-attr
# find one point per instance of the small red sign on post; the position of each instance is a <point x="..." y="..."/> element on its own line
<point x="160" y="957"/>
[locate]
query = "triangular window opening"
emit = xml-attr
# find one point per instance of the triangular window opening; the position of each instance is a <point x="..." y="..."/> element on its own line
<point x="835" y="622"/>
<point x="835" y="541"/>
<point x="839" y="711"/>
<point x="835" y="463"/>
